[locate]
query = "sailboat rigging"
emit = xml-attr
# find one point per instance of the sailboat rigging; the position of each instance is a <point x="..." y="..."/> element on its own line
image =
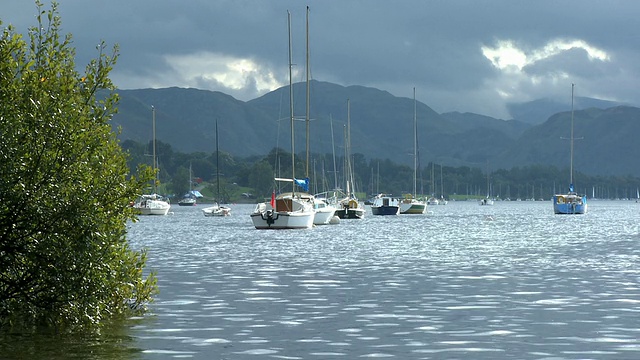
<point x="410" y="204"/>
<point x="153" y="204"/>
<point x="288" y="210"/>
<point x="323" y="211"/>
<point x="349" y="207"/>
<point x="571" y="202"/>
<point x="216" y="209"/>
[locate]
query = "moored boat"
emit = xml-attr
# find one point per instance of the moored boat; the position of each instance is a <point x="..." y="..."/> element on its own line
<point x="571" y="202"/>
<point x="410" y="204"/>
<point x="385" y="205"/>
<point x="152" y="205"/>
<point x="286" y="211"/>
<point x="348" y="206"/>
<point x="187" y="201"/>
<point x="290" y="210"/>
<point x="216" y="210"/>
<point x="324" y="212"/>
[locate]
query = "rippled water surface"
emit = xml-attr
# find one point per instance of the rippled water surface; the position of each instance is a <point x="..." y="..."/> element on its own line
<point x="509" y="281"/>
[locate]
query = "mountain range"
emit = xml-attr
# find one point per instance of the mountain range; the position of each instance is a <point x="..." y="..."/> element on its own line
<point x="381" y="127"/>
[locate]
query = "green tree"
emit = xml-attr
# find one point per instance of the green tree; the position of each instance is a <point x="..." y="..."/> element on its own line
<point x="180" y="184"/>
<point x="261" y="179"/>
<point x="64" y="188"/>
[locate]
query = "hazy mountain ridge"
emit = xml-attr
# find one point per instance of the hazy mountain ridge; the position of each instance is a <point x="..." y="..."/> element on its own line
<point x="381" y="127"/>
<point x="538" y="111"/>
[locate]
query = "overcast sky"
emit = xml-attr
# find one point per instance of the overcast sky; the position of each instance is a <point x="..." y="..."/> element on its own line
<point x="467" y="56"/>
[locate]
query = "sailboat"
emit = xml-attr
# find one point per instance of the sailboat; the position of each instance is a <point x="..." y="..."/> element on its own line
<point x="433" y="200"/>
<point x="349" y="207"/>
<point x="385" y="205"/>
<point x="487" y="200"/>
<point x="216" y="209"/>
<point x="324" y="212"/>
<point x="442" y="200"/>
<point x="288" y="210"/>
<point x="152" y="204"/>
<point x="410" y="204"/>
<point x="571" y="202"/>
<point x="190" y="198"/>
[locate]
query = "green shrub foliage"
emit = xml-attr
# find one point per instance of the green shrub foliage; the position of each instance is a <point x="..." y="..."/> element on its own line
<point x="64" y="187"/>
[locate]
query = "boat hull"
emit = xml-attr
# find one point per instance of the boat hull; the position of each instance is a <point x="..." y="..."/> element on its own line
<point x="323" y="216"/>
<point x="154" y="211"/>
<point x="216" y="211"/>
<point x="569" y="204"/>
<point x="413" y="208"/>
<point x="385" y="205"/>
<point x="350" y="213"/>
<point x="152" y="207"/>
<point x="299" y="214"/>
<point x="349" y="209"/>
<point x="385" y="210"/>
<point x="282" y="220"/>
<point x="486" y="202"/>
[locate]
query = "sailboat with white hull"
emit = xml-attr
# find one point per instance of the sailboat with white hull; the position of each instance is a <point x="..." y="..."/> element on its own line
<point x="216" y="209"/>
<point x="348" y="206"/>
<point x="571" y="202"/>
<point x="410" y="204"/>
<point x="152" y="204"/>
<point x="290" y="210"/>
<point x="324" y="212"/>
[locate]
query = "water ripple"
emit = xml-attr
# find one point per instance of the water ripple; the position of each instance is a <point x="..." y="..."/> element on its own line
<point x="508" y="281"/>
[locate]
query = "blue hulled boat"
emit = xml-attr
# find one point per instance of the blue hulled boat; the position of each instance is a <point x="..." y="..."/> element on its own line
<point x="385" y="205"/>
<point x="571" y="202"/>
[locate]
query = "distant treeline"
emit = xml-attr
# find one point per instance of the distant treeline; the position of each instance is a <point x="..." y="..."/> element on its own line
<point x="372" y="176"/>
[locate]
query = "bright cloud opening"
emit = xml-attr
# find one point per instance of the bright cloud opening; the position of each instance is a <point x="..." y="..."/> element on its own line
<point x="236" y="74"/>
<point x="507" y="56"/>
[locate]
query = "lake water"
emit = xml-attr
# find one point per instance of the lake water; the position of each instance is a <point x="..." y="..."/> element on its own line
<point x="509" y="281"/>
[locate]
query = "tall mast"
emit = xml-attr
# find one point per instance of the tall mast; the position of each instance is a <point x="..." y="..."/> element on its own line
<point x="415" y="143"/>
<point x="293" y="161"/>
<point x="333" y="148"/>
<point x="217" y="163"/>
<point x="350" y="172"/>
<point x="571" y="142"/>
<point x="307" y="113"/>
<point x="155" y="175"/>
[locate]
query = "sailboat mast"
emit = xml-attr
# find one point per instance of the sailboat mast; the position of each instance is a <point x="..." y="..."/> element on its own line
<point x="346" y="161"/>
<point x="415" y="144"/>
<point x="293" y="161"/>
<point x="571" y="141"/>
<point x="333" y="148"/>
<point x="155" y="175"/>
<point x="217" y="163"/>
<point x="350" y="172"/>
<point x="308" y="95"/>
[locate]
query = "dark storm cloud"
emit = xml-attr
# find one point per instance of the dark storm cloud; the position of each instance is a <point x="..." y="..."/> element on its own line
<point x="460" y="55"/>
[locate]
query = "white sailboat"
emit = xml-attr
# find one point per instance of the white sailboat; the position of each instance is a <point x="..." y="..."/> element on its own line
<point x="348" y="206"/>
<point x="216" y="209"/>
<point x="571" y="202"/>
<point x="442" y="200"/>
<point x="324" y="211"/>
<point x="190" y="198"/>
<point x="290" y="210"/>
<point x="410" y="204"/>
<point x="152" y="204"/>
<point x="488" y="200"/>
